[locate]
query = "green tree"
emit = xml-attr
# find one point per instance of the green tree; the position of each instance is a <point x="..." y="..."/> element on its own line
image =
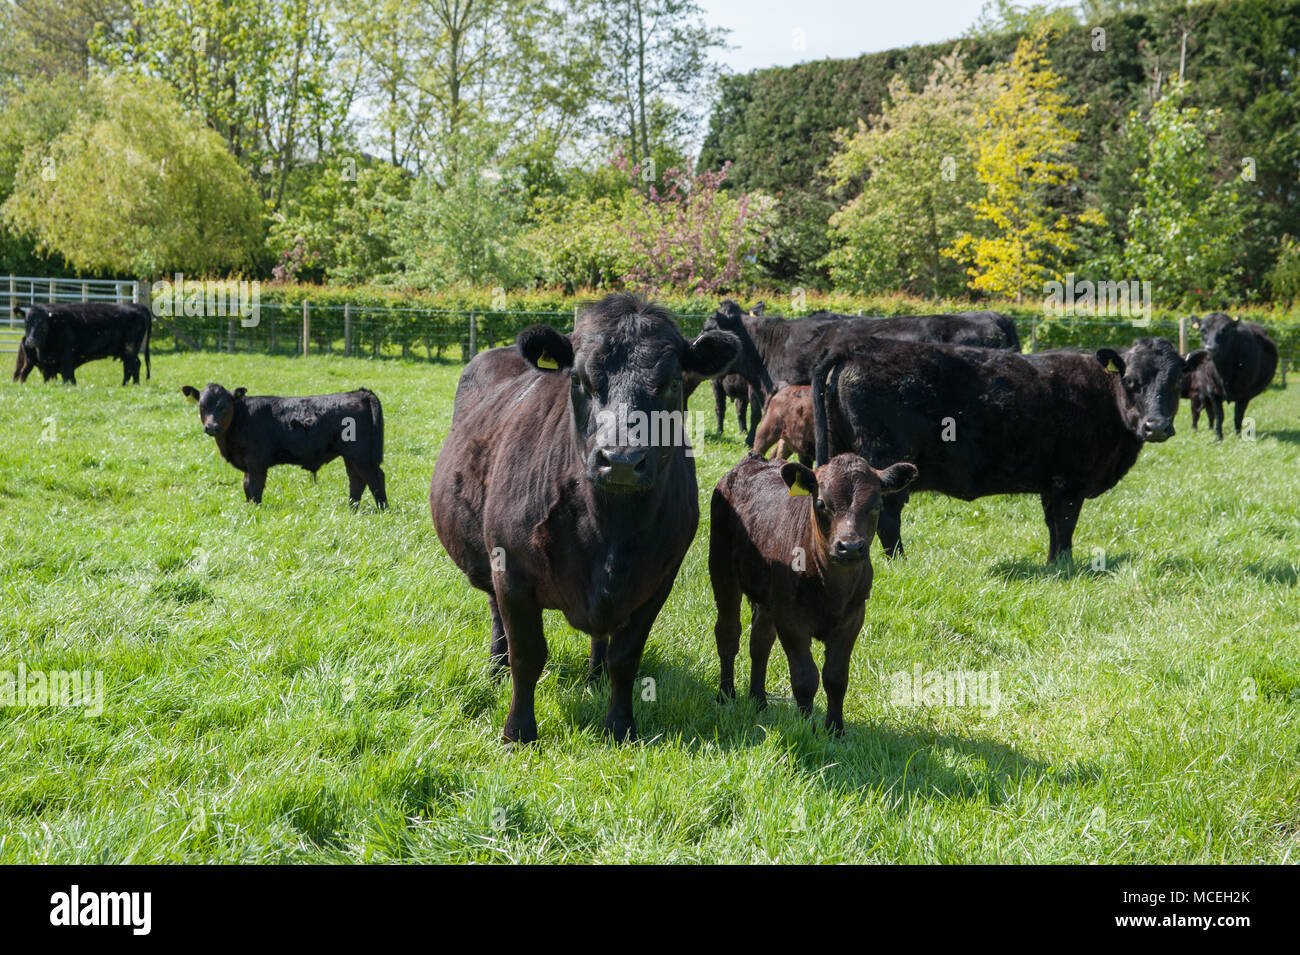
<point x="1021" y="161"/>
<point x="912" y="171"/>
<point x="137" y="185"/>
<point x="1180" y="229"/>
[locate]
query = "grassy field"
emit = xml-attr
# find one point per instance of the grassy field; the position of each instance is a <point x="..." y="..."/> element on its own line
<point x="301" y="682"/>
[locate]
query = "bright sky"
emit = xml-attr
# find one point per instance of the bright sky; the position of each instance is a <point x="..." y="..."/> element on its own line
<point x="782" y="32"/>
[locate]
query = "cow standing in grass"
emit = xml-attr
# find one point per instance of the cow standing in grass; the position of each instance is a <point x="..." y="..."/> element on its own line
<point x="797" y="543"/>
<point x="61" y="338"/>
<point x="1244" y="356"/>
<point x="547" y="495"/>
<point x="1063" y="425"/>
<point x="256" y="432"/>
<point x="1204" y="390"/>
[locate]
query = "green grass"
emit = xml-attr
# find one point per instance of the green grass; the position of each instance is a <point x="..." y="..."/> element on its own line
<point x="301" y="682"/>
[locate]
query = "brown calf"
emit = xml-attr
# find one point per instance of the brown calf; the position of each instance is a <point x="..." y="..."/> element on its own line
<point x="797" y="544"/>
<point x="788" y="423"/>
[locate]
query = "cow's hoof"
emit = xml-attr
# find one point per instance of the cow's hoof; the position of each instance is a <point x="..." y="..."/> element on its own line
<point x="726" y="694"/>
<point x="760" y="700"/>
<point x="621" y="731"/>
<point x="520" y="732"/>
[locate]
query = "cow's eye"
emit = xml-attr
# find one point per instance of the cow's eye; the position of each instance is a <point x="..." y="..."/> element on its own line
<point x="820" y="505"/>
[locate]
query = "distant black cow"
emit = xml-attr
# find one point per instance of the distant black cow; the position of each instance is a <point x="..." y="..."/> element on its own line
<point x="1244" y="355"/>
<point x="805" y="566"/>
<point x="1204" y="389"/>
<point x="61" y="338"/>
<point x="256" y="432"/>
<point x="549" y="494"/>
<point x="1063" y="425"/>
<point x="776" y="351"/>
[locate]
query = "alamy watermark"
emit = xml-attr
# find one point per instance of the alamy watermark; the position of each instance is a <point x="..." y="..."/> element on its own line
<point x="180" y="297"/>
<point x="949" y="688"/>
<point x="33" y="688"/>
<point x="1122" y="299"/>
<point x="619" y="427"/>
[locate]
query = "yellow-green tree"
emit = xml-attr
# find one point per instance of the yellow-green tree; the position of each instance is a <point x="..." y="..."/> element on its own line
<point x="1022" y="158"/>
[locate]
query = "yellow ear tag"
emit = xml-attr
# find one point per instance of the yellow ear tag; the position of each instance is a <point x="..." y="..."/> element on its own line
<point x="1112" y="368"/>
<point x="192" y="399"/>
<point x="796" y="489"/>
<point x="546" y="361"/>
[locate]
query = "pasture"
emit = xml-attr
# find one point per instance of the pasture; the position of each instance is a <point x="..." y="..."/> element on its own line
<point x="301" y="682"/>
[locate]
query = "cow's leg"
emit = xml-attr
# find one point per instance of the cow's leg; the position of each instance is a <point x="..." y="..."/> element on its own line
<point x="720" y="404"/>
<point x="356" y="482"/>
<point x="1065" y="512"/>
<point x="835" y="676"/>
<point x="254" y="484"/>
<point x="1239" y="413"/>
<point x="378" y="486"/>
<point x="624" y="657"/>
<point x="69" y="372"/>
<point x="726" y="595"/>
<point x="498" y="654"/>
<point x="803" y="671"/>
<point x="1196" y="412"/>
<point x="755" y="415"/>
<point x="596" y="659"/>
<point x="1216" y="417"/>
<point x="742" y="418"/>
<point x="521" y="618"/>
<point x="889" y="528"/>
<point x="1049" y="515"/>
<point x="762" y="634"/>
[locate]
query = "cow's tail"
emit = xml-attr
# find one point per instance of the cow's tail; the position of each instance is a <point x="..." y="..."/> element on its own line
<point x="148" y="334"/>
<point x="820" y="424"/>
<point x="377" y="428"/>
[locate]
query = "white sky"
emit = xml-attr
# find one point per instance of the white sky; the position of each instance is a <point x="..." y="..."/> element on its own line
<point x="764" y="31"/>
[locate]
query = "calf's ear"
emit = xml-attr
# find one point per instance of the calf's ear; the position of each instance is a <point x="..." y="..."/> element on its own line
<point x="799" y="478"/>
<point x="712" y="354"/>
<point x="757" y="310"/>
<point x="1194" y="360"/>
<point x="191" y="394"/>
<point x="544" y="348"/>
<point x="240" y="392"/>
<point x="896" y="477"/>
<point x="1110" y="360"/>
<point x="20" y="312"/>
<point x="1196" y="323"/>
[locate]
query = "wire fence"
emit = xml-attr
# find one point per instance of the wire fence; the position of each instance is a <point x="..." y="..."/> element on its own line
<point x="229" y="324"/>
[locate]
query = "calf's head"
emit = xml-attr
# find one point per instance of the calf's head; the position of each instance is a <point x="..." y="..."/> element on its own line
<point x="36" y="331"/>
<point x="847" y="495"/>
<point x="1147" y="384"/>
<point x="216" y="406"/>
<point x="625" y="362"/>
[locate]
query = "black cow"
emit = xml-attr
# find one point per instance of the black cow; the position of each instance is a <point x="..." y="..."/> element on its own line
<point x="549" y="494"/>
<point x="1061" y="424"/>
<point x="1244" y="355"/>
<point x="61" y="338"/>
<point x="257" y="432"/>
<point x="1204" y="390"/>
<point x="25" y="361"/>
<point x="779" y="351"/>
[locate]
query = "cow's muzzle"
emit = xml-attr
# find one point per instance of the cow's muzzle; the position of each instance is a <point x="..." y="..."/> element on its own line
<point x="212" y="428"/>
<point x="621" y="469"/>
<point x="1157" y="431"/>
<point x="848" y="550"/>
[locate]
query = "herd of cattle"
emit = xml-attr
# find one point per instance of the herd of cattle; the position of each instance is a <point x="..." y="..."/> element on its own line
<point x="545" y="499"/>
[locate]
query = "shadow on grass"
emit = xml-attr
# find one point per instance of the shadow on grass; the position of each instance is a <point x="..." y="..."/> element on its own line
<point x="906" y="760"/>
<point x="1288" y="436"/>
<point x="1022" y="568"/>
<point x="1275" y="573"/>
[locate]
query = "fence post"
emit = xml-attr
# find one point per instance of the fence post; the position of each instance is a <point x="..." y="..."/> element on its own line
<point x="1182" y="335"/>
<point x="13" y="300"/>
<point x="143" y="295"/>
<point x="347" y="329"/>
<point x="270" y="319"/>
<point x="1033" y="335"/>
<point x="306" y="328"/>
<point x="473" y="335"/>
<point x="54" y="285"/>
<point x="230" y="336"/>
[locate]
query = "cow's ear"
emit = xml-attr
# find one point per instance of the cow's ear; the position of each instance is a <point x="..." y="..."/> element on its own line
<point x="20" y="312"/>
<point x="896" y="477"/>
<point x="799" y="478"/>
<point x="758" y="309"/>
<point x="545" y="349"/>
<point x="1237" y="320"/>
<point x="191" y="394"/>
<point x="1110" y="360"/>
<point x="240" y="392"/>
<point x="711" y="354"/>
<point x="1194" y="360"/>
<point x="1196" y="323"/>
